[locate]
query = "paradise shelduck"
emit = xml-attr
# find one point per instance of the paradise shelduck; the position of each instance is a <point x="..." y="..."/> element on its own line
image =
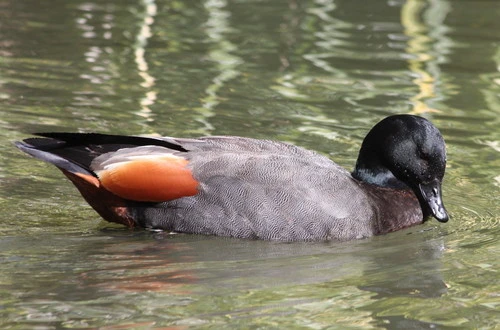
<point x="249" y="188"/>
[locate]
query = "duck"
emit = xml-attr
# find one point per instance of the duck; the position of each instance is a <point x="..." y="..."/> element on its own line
<point x="256" y="189"/>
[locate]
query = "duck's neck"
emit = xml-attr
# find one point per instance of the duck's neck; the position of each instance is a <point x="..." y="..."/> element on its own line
<point x="369" y="169"/>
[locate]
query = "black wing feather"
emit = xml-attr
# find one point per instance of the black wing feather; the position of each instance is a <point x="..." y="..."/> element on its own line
<point x="81" y="148"/>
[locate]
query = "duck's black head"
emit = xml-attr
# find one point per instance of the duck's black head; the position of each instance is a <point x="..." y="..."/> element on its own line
<point x="406" y="151"/>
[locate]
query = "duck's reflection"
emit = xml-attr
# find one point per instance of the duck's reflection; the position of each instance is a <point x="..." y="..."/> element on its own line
<point x="382" y="281"/>
<point x="404" y="265"/>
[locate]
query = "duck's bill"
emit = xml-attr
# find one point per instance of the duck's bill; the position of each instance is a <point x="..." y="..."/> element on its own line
<point x="431" y="194"/>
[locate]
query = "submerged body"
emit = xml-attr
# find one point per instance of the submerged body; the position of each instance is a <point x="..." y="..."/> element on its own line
<point x="248" y="188"/>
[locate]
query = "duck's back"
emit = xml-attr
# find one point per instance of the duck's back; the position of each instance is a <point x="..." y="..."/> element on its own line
<point x="263" y="189"/>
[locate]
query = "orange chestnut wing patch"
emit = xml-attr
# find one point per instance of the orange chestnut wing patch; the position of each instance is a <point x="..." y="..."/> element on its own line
<point x="148" y="178"/>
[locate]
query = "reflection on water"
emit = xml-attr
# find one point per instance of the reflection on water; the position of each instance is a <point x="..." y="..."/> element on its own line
<point x="204" y="279"/>
<point x="425" y="34"/>
<point x="314" y="73"/>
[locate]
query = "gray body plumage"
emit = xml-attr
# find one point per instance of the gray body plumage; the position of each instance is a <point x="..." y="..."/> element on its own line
<point x="270" y="190"/>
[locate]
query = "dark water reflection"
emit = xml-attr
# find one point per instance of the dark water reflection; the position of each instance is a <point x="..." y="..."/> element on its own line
<point x="315" y="73"/>
<point x="133" y="276"/>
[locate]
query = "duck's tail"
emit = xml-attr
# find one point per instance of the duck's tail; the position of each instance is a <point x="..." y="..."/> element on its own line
<point x="72" y="153"/>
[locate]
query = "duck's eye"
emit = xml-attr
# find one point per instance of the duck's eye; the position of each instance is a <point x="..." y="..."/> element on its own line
<point x="422" y="154"/>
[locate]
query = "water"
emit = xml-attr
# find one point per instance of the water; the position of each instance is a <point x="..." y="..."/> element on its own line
<point x="315" y="73"/>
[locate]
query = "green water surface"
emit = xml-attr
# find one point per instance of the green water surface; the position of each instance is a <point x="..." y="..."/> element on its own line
<point x="316" y="73"/>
